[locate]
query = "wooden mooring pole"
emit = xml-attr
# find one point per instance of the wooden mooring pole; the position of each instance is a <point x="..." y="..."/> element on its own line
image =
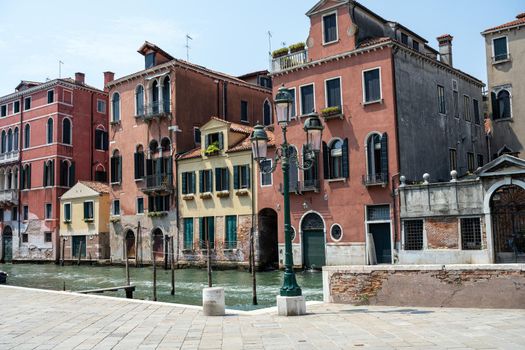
<point x="172" y="260"/>
<point x="63" y="249"/>
<point x="127" y="260"/>
<point x="154" y="275"/>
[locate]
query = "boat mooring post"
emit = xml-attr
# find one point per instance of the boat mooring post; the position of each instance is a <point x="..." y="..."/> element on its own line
<point x="172" y="261"/>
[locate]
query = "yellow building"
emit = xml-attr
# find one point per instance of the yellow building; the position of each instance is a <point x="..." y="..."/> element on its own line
<point x="216" y="195"/>
<point x="84" y="221"/>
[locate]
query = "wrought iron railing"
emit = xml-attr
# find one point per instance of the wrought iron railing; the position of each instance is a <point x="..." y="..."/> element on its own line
<point x="311" y="185"/>
<point x="158" y="183"/>
<point x="155" y="110"/>
<point x="289" y="61"/>
<point x="375" y="179"/>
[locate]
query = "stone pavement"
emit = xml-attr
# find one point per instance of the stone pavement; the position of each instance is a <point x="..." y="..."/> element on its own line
<point x="34" y="319"/>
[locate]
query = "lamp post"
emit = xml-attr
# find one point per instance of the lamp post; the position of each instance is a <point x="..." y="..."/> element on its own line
<point x="286" y="155"/>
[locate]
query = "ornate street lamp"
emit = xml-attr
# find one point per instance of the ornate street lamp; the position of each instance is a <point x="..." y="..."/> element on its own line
<point x="285" y="154"/>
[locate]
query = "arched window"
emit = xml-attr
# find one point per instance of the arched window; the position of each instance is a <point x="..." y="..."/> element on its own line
<point x="67" y="173"/>
<point x="100" y="173"/>
<point x="139" y="160"/>
<point x="503" y="101"/>
<point x="9" y="140"/>
<point x="49" y="173"/>
<point x="50" y="130"/>
<point x="139" y="100"/>
<point x="66" y="131"/>
<point x="335" y="159"/>
<point x="115" y="107"/>
<point x="116" y="167"/>
<point x="27" y="136"/>
<point x="25" y="180"/>
<point x="165" y="144"/>
<point x="15" y="139"/>
<point x="154" y="97"/>
<point x="153" y="146"/>
<point x="267" y="113"/>
<point x="166" y="94"/>
<point x="377" y="159"/>
<point x="4" y="142"/>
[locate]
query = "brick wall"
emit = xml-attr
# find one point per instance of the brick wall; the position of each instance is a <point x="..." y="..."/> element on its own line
<point x="442" y="233"/>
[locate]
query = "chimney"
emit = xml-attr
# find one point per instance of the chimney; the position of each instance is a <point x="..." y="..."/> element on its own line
<point x="521" y="15"/>
<point x="445" y="48"/>
<point x="79" y="78"/>
<point x="108" y="77"/>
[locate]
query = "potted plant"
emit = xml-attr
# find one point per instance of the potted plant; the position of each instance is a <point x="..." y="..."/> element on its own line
<point x="212" y="149"/>
<point x="297" y="47"/>
<point x="280" y="52"/>
<point x="332" y="112"/>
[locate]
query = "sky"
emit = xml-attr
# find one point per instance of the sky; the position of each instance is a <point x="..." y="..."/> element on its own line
<point x="228" y="35"/>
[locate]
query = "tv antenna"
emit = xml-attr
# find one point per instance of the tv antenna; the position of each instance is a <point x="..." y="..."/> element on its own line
<point x="60" y="63"/>
<point x="188" y="38"/>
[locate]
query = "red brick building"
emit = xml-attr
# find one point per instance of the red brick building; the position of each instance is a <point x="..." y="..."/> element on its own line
<point x="51" y="135"/>
<point x="156" y="113"/>
<point x="390" y="107"/>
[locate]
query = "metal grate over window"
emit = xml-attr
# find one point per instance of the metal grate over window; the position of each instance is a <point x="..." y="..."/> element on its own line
<point x="413" y="234"/>
<point x="470" y="234"/>
<point x="378" y="213"/>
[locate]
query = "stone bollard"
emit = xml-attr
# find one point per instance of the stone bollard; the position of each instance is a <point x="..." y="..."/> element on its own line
<point x="291" y="306"/>
<point x="213" y="301"/>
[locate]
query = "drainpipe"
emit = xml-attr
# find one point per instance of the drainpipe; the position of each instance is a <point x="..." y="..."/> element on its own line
<point x="91" y="136"/>
<point x="19" y="168"/>
<point x="396" y="121"/>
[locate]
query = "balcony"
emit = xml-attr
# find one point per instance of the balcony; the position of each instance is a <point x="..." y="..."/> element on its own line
<point x="295" y="187"/>
<point x="8" y="197"/>
<point x="155" y="110"/>
<point x="9" y="157"/>
<point x="312" y="185"/>
<point x="501" y="58"/>
<point x="289" y="61"/>
<point x="375" y="179"/>
<point x="160" y="184"/>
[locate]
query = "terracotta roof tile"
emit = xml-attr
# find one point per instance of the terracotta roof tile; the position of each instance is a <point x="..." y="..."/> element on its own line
<point x="99" y="187"/>
<point x="520" y="20"/>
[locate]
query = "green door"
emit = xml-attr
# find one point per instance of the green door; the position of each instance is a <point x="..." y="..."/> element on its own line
<point x="313" y="248"/>
<point x="381" y="235"/>
<point x="7" y="244"/>
<point x="79" y="244"/>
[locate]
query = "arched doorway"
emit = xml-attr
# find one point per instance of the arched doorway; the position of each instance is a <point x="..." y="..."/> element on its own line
<point x="130" y="245"/>
<point x="312" y="229"/>
<point x="7" y="244"/>
<point x="507" y="208"/>
<point x="158" y="244"/>
<point x="268" y="241"/>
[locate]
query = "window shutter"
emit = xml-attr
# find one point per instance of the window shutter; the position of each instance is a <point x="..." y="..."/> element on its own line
<point x="158" y="166"/>
<point x="206" y="141"/>
<point x="201" y="181"/>
<point x="184" y="183"/>
<point x="63" y="173"/>
<point x="218" y="173"/>
<point x="221" y="140"/>
<point x="247" y="174"/>
<point x="136" y="165"/>
<point x="226" y="179"/>
<point x="495" y="106"/>
<point x="236" y="177"/>
<point x="211" y="232"/>
<point x="326" y="169"/>
<point x="72" y="175"/>
<point x="169" y="166"/>
<point x="28" y="176"/>
<point x="345" y="160"/>
<point x="384" y="155"/>
<point x="119" y="169"/>
<point x="86" y="210"/>
<point x="105" y="140"/>
<point x="44" y="178"/>
<point x="52" y="172"/>
<point x="209" y="180"/>
<point x="193" y="182"/>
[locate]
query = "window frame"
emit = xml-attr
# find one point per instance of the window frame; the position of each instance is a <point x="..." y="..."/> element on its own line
<point x="113" y="213"/>
<point x="340" y="92"/>
<point x="16" y="103"/>
<point x="227" y="243"/>
<point x="497" y="91"/>
<point x="52" y="131"/>
<point x="195" y="129"/>
<point x="137" y="206"/>
<point x="404" y="236"/>
<point x="331" y="235"/>
<point x="301" y="98"/>
<point x="294" y="103"/>
<point x="27" y="136"/>
<point x="262" y="175"/>
<point x="3" y="108"/>
<point x="494" y="49"/>
<point x="331" y="171"/>
<point x="244" y="103"/>
<point x="30" y="99"/>
<point x="455" y="152"/>
<point x="442" y="101"/>
<point x="112" y="119"/>
<point x="66" y="219"/>
<point x="477" y="114"/>
<point x="48" y="215"/>
<point x="70" y="143"/>
<point x="336" y="27"/>
<point x="271" y="112"/>
<point x="92" y="210"/>
<point x="53" y="96"/>
<point x="205" y="173"/>
<point x="99" y="100"/>
<point x="24" y="216"/>
<point x="363" y="91"/>
<point x="466" y="108"/>
<point x="188" y="245"/>
<point x="462" y="241"/>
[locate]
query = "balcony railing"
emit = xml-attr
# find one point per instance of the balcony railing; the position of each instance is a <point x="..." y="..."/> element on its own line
<point x="294" y="187"/>
<point x="8" y="157"/>
<point x="8" y="197"/>
<point x="155" y="110"/>
<point x="289" y="61"/>
<point x="311" y="185"/>
<point x="375" y="179"/>
<point x="158" y="184"/>
<point x="501" y="58"/>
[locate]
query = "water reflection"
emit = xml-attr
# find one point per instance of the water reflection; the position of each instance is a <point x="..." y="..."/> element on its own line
<point x="188" y="285"/>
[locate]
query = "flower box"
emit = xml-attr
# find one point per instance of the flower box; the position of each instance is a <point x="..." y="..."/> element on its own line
<point x="297" y="47"/>
<point x="332" y="113"/>
<point x="242" y="192"/>
<point x="188" y="197"/>
<point x="280" y="52"/>
<point x="206" y="195"/>
<point x="223" y="194"/>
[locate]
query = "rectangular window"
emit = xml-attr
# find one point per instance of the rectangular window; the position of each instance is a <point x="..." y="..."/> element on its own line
<point x="101" y="140"/>
<point x="222" y="179"/>
<point x="413" y="230"/>
<point x="157" y="204"/>
<point x="330" y="28"/>
<point x="3" y="111"/>
<point x="480" y="160"/>
<point x="292" y="94"/>
<point x="475" y="104"/>
<point x="230" y="241"/>
<point x="67" y="212"/>
<point x="415" y="45"/>
<point x="27" y="103"/>
<point x="188" y="233"/>
<point x="25" y="213"/>
<point x="241" y="177"/>
<point x="101" y="106"/>
<point x="16" y="107"/>
<point x="404" y="38"/>
<point x="500" y="49"/>
<point x="307" y="99"/>
<point x="196" y="135"/>
<point x="116" y="169"/>
<point x="88" y="210"/>
<point x="470" y="162"/>
<point x="266" y="179"/>
<point x="140" y="205"/>
<point x="50" y="96"/>
<point x="216" y="139"/>
<point x="372" y="85"/>
<point x="333" y="92"/>
<point x="48" y="211"/>
<point x="466" y="108"/>
<point x="244" y="111"/>
<point x="455" y="100"/>
<point x="48" y="237"/>
<point x="452" y="159"/>
<point x="378" y="213"/>
<point x="25" y="238"/>
<point x="116" y="207"/>
<point x="14" y="213"/>
<point x="470" y="233"/>
<point x="207" y="231"/>
<point x="206" y="181"/>
<point x="67" y="97"/>
<point x="188" y="182"/>
<point x="442" y="108"/>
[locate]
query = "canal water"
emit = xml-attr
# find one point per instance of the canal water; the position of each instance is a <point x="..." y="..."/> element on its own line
<point x="188" y="282"/>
